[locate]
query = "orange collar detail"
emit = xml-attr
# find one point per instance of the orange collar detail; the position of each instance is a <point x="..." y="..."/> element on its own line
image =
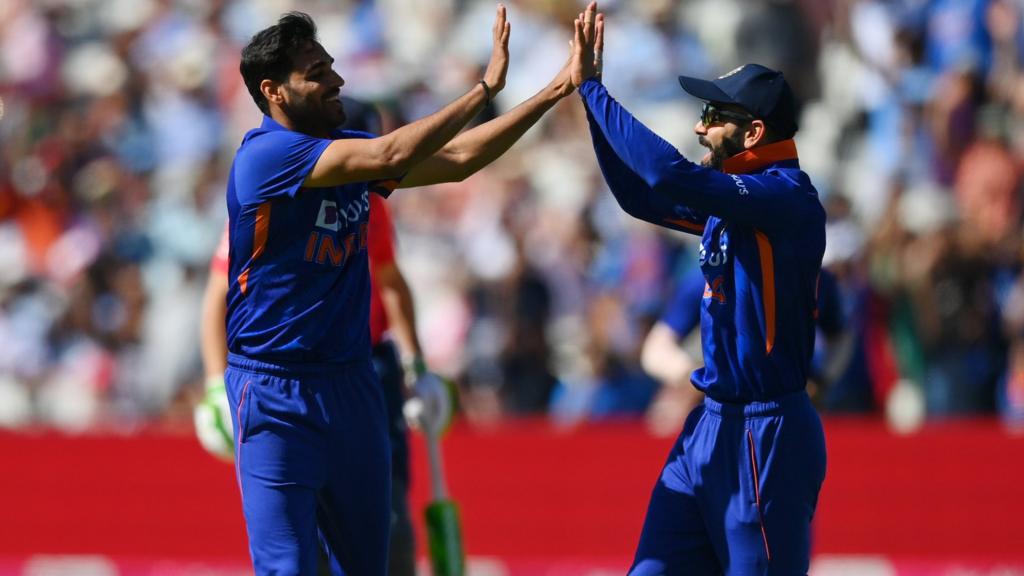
<point x="756" y="158"/>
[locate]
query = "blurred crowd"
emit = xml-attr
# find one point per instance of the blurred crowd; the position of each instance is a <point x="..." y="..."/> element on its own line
<point x="119" y="120"/>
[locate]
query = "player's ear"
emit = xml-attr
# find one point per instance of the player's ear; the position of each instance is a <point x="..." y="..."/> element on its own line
<point x="754" y="134"/>
<point x="272" y="91"/>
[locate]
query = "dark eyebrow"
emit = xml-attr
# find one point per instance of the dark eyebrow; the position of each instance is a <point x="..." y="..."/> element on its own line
<point x="319" y="63"/>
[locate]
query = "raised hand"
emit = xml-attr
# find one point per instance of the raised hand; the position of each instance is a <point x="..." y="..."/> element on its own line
<point x="494" y="76"/>
<point x="587" y="45"/>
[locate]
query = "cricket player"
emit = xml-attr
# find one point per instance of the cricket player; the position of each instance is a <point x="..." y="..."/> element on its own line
<point x="391" y="312"/>
<point x="392" y="320"/>
<point x="309" y="420"/>
<point x="740" y="486"/>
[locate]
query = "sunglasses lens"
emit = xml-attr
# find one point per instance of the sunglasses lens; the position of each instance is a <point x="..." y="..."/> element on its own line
<point x="710" y="115"/>
<point x="707" y="115"/>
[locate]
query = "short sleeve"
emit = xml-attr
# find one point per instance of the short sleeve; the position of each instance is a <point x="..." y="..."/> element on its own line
<point x="275" y="163"/>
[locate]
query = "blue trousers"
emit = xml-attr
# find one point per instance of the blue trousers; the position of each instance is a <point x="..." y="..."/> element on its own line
<point x="313" y="462"/>
<point x="738" y="492"/>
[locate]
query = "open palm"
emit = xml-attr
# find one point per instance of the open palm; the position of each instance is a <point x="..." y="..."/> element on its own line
<point x="587" y="45"/>
<point x="497" y="68"/>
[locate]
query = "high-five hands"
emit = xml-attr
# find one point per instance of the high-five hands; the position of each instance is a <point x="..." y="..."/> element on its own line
<point x="587" y="46"/>
<point x="494" y="76"/>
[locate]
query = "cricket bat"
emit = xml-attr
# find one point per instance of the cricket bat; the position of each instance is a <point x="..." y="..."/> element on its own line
<point x="444" y="531"/>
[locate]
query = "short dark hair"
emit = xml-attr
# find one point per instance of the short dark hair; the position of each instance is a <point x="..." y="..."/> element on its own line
<point x="268" y="54"/>
<point x="772" y="132"/>
<point x="776" y="134"/>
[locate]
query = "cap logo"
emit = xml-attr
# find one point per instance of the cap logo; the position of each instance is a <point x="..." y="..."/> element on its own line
<point x="731" y="72"/>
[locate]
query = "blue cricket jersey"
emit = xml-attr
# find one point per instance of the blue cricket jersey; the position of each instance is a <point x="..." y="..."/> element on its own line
<point x="299" y="283"/>
<point x="762" y="232"/>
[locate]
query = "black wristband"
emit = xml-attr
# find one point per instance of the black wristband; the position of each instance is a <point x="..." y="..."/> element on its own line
<point x="487" y="92"/>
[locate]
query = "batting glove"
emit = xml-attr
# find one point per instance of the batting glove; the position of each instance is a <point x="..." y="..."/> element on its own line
<point x="430" y="407"/>
<point x="212" y="418"/>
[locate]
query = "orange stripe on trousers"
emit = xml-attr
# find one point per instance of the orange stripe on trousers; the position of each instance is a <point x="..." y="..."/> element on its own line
<point x="757" y="494"/>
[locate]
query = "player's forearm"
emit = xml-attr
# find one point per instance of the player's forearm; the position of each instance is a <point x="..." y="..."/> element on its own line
<point x="401" y="314"/>
<point x="410" y="144"/>
<point x="638" y="148"/>
<point x="476" y="148"/>
<point x="634" y="195"/>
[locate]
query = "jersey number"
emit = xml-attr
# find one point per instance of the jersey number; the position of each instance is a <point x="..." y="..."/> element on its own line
<point x="714" y="290"/>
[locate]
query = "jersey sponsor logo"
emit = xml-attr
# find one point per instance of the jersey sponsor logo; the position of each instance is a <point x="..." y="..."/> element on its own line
<point x="328" y="217"/>
<point x="332" y="249"/>
<point x="740" y="185"/>
<point x="333" y="217"/>
<point x="715" y="258"/>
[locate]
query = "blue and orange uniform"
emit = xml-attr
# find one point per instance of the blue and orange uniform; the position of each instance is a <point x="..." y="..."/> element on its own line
<point x="740" y="486"/>
<point x="683" y="309"/>
<point x="310" y="425"/>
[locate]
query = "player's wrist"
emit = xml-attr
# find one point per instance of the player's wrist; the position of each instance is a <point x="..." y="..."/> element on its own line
<point x="489" y="91"/>
<point x="214" y="382"/>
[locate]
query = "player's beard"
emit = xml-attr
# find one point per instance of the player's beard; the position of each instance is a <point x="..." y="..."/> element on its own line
<point x="314" y="116"/>
<point x="730" y="146"/>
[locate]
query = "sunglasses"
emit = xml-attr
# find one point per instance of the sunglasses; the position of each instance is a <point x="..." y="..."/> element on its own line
<point x="711" y="114"/>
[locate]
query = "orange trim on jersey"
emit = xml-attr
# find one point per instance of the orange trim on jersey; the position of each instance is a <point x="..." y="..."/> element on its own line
<point x="259" y="242"/>
<point x="756" y="158"/>
<point x="764" y="248"/>
<point x="691" y="226"/>
<point x="388" y="185"/>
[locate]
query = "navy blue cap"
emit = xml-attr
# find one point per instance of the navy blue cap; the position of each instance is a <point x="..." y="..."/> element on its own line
<point x="759" y="90"/>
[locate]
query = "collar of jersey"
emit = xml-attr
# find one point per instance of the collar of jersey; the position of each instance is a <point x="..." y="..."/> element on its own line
<point x="757" y="158"/>
<point x="271" y="124"/>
